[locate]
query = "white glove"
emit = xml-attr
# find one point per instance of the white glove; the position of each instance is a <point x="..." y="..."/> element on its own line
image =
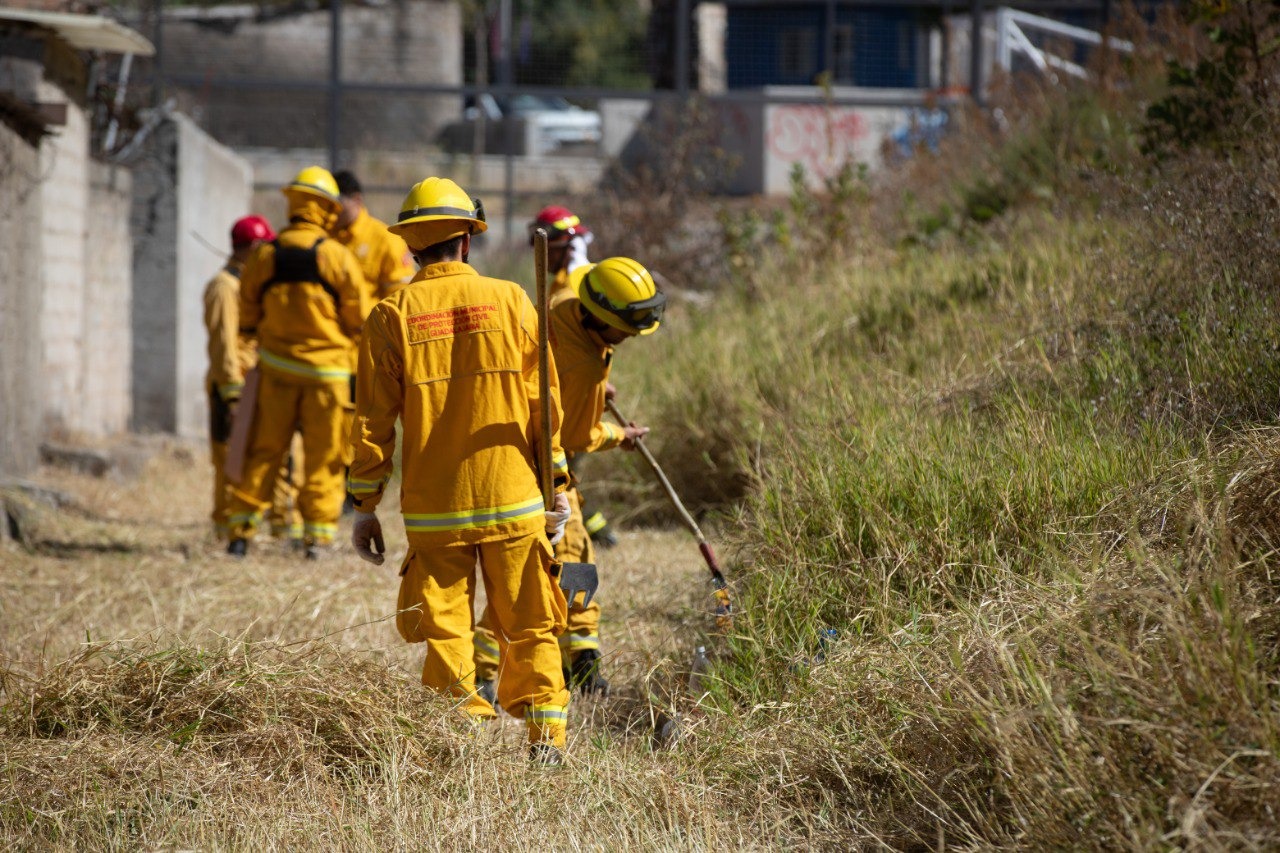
<point x="557" y="518"/>
<point x="368" y="531"/>
<point x="578" y="252"/>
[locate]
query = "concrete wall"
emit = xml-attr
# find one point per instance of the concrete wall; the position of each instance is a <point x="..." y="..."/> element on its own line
<point x="404" y="41"/>
<point x="20" y="352"/>
<point x="106" y="354"/>
<point x="188" y="190"/>
<point x="763" y="142"/>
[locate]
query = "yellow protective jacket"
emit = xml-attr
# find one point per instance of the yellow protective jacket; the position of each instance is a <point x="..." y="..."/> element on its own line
<point x="231" y="354"/>
<point x="454" y="356"/>
<point x="560" y="284"/>
<point x="582" y="361"/>
<point x="304" y="329"/>
<point x="384" y="258"/>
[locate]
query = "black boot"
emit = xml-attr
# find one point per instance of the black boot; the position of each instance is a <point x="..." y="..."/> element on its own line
<point x="600" y="532"/>
<point x="237" y="547"/>
<point x="545" y="755"/>
<point x="486" y="691"/>
<point x="584" y="673"/>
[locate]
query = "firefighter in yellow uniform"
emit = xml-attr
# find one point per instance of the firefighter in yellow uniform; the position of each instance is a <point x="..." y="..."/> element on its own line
<point x="567" y="240"/>
<point x="384" y="258"/>
<point x="231" y="355"/>
<point x="616" y="300"/>
<point x="303" y="297"/>
<point x="454" y="357"/>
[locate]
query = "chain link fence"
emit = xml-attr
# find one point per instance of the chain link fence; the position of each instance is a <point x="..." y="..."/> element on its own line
<point x="521" y="99"/>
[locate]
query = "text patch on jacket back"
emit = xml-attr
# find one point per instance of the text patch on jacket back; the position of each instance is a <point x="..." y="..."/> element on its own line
<point x="450" y="322"/>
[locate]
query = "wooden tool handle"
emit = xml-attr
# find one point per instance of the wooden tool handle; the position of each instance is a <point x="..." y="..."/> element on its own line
<point x="545" y="479"/>
<point x="661" y="475"/>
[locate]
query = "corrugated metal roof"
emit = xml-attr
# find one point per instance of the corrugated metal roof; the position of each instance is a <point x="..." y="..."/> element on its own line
<point x="85" y="32"/>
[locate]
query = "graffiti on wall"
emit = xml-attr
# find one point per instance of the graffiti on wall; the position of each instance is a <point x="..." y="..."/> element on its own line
<point x="822" y="139"/>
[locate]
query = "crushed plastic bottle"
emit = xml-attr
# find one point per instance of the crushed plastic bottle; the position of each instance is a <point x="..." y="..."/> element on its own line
<point x="701" y="663"/>
<point x="826" y="640"/>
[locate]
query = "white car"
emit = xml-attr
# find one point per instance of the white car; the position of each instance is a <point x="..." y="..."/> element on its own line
<point x="557" y="122"/>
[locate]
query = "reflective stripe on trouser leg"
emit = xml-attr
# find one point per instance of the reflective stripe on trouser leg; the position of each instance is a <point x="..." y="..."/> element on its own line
<point x="528" y="611"/>
<point x="547" y="723"/>
<point x="583" y="629"/>
<point x="486" y="648"/>
<point x="319" y="532"/>
<point x="274" y="420"/>
<point x="322" y="416"/>
<point x="437" y="597"/>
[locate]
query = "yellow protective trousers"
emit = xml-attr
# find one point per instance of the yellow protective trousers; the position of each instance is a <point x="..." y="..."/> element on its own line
<point x="284" y="518"/>
<point x="582" y="630"/>
<point x="287" y="405"/>
<point x="436" y="607"/>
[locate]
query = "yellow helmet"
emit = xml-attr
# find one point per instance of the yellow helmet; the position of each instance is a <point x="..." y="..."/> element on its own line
<point x="436" y="210"/>
<point x="621" y="293"/>
<point x="316" y="181"/>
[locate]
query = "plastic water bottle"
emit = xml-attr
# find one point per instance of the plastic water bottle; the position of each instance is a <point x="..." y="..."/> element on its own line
<point x="700" y="666"/>
<point x="825" y="640"/>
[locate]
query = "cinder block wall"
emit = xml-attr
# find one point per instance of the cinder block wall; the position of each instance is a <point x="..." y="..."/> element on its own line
<point x="188" y="190"/>
<point x="64" y="198"/>
<point x="106" y="352"/>
<point x="21" y="399"/>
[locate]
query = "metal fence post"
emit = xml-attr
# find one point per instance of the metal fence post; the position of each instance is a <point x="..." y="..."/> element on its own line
<point x="682" y="48"/>
<point x="335" y="81"/>
<point x="506" y="76"/>
<point x="157" y="61"/>
<point x="975" y="54"/>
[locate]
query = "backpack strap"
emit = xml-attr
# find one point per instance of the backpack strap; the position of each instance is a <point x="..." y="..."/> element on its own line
<point x="297" y="266"/>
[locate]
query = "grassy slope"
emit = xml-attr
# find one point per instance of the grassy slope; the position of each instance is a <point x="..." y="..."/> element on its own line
<point x="1031" y="485"/>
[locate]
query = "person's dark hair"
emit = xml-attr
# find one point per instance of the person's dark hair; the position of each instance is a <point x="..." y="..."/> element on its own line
<point x="440" y="251"/>
<point x="348" y="184"/>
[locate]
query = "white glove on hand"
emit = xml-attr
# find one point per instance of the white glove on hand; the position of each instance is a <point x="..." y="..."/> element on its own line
<point x="578" y="252"/>
<point x="557" y="518"/>
<point x="368" y="531"/>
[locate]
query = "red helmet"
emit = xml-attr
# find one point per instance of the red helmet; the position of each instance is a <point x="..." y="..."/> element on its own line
<point x="249" y="229"/>
<point x="560" y="223"/>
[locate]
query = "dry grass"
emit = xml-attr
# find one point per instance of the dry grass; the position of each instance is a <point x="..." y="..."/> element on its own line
<point x="159" y="695"/>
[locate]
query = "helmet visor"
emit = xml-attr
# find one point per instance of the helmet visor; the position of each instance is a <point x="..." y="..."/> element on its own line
<point x="637" y="315"/>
